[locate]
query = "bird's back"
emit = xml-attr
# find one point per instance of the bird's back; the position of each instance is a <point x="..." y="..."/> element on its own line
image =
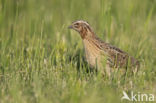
<point x="117" y="57"/>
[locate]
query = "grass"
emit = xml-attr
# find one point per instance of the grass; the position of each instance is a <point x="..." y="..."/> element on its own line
<point x="41" y="61"/>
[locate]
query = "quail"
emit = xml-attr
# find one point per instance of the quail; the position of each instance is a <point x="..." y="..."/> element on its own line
<point x="98" y="51"/>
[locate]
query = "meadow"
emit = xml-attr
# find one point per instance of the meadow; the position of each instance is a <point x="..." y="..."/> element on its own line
<point x="41" y="61"/>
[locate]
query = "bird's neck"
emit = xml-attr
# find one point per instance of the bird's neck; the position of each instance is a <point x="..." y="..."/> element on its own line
<point x="91" y="39"/>
<point x="87" y="33"/>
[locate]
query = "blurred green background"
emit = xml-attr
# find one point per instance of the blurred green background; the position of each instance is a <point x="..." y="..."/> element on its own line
<point x="41" y="61"/>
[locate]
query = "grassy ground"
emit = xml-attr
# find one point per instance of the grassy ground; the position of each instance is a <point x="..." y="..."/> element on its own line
<point x="41" y="61"/>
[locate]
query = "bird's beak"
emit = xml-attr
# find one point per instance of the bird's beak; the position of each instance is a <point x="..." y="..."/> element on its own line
<point x="70" y="27"/>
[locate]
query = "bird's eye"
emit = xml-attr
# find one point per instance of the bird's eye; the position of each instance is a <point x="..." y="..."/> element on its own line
<point x="76" y="24"/>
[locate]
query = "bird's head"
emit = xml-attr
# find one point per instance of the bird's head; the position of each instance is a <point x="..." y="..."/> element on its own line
<point x="82" y="27"/>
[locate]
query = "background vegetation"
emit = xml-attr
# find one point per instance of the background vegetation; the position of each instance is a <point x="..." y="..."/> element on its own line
<point x="41" y="61"/>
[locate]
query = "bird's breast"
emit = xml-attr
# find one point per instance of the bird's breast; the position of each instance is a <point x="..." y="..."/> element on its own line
<point x="92" y="52"/>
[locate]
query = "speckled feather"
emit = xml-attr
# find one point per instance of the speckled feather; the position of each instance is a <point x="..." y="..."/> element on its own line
<point x="95" y="48"/>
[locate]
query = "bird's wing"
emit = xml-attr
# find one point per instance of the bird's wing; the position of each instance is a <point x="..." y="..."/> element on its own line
<point x="117" y="57"/>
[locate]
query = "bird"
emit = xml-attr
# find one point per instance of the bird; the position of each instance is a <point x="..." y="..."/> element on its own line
<point x="98" y="52"/>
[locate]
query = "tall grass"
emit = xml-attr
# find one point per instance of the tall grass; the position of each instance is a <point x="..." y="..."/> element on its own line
<point x="41" y="61"/>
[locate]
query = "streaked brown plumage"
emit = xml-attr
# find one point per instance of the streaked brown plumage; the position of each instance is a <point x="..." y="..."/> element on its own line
<point x="96" y="50"/>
